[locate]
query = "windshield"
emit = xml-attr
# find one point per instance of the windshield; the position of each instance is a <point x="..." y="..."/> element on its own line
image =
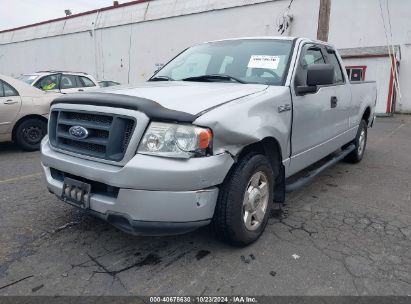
<point x="29" y="79"/>
<point x="247" y="61"/>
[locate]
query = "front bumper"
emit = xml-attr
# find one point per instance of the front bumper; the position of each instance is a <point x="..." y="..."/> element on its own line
<point x="155" y="195"/>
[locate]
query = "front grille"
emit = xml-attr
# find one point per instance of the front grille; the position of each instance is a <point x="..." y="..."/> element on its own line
<point x="80" y="145"/>
<point x="108" y="135"/>
<point x="86" y="117"/>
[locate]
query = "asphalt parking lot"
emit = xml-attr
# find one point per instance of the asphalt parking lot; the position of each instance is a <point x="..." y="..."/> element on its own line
<point x="346" y="233"/>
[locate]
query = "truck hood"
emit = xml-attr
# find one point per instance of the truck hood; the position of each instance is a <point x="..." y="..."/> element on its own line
<point x="189" y="97"/>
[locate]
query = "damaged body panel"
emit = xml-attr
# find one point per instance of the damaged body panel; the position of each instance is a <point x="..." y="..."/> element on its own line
<point x="263" y="120"/>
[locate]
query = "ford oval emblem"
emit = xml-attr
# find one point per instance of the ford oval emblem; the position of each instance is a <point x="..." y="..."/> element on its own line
<point x="78" y="132"/>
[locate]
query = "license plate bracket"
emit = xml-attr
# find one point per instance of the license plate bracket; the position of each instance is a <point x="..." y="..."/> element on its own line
<point x="76" y="193"/>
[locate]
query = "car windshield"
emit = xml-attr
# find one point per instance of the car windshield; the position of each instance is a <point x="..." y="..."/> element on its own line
<point x="29" y="79"/>
<point x="245" y="61"/>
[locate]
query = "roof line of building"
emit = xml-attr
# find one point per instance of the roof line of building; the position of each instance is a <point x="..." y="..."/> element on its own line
<point x="370" y="51"/>
<point x="107" y="8"/>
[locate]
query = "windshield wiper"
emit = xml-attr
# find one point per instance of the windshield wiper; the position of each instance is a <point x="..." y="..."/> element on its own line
<point x="212" y="77"/>
<point x="161" y="78"/>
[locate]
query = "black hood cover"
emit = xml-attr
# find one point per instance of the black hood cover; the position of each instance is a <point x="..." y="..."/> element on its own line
<point x="152" y="109"/>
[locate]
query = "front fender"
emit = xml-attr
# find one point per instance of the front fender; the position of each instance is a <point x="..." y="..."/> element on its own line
<point x="250" y="119"/>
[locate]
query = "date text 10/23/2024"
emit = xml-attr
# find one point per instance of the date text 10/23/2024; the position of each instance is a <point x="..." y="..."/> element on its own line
<point x="204" y="299"/>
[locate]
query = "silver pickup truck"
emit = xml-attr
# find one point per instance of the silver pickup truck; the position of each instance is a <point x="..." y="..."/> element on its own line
<point x="213" y="137"/>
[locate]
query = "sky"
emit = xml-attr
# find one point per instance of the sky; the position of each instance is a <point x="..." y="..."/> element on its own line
<point x="15" y="13"/>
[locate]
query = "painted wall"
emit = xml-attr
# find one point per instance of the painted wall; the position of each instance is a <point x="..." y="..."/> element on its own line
<point x="357" y="23"/>
<point x="126" y="44"/>
<point x="378" y="69"/>
<point x="129" y="53"/>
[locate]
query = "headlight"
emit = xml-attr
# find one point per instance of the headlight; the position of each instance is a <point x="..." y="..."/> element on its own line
<point x="174" y="140"/>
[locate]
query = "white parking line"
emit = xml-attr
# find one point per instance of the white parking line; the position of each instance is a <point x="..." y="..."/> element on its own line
<point x="14" y="179"/>
<point x="380" y="140"/>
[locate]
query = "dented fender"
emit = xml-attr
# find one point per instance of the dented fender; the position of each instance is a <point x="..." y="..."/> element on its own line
<point x="250" y="119"/>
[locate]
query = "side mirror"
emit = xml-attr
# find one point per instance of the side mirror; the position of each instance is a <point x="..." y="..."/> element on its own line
<point x="320" y="74"/>
<point x="317" y="75"/>
<point x="302" y="90"/>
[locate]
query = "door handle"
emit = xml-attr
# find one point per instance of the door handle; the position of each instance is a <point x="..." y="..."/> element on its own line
<point x="80" y="90"/>
<point x="334" y="101"/>
<point x="10" y="101"/>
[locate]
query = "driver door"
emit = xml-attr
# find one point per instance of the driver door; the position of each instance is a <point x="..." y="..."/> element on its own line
<point x="313" y="124"/>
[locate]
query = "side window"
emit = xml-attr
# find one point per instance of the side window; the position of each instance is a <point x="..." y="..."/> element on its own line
<point x="9" y="90"/>
<point x="313" y="56"/>
<point x="338" y="74"/>
<point x="68" y="82"/>
<point x="50" y="82"/>
<point x="1" y="89"/>
<point x="356" y="73"/>
<point x="85" y="82"/>
<point x="310" y="55"/>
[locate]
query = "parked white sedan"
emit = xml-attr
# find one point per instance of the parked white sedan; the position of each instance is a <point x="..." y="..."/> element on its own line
<point x="60" y="81"/>
<point x="23" y="113"/>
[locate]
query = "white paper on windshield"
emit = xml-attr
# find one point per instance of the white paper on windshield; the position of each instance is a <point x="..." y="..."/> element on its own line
<point x="264" y="62"/>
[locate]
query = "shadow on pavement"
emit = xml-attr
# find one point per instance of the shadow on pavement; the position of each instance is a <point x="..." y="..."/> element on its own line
<point x="9" y="147"/>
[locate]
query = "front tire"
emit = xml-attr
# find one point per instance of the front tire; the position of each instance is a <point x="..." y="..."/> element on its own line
<point x="244" y="201"/>
<point x="29" y="133"/>
<point x="360" y="143"/>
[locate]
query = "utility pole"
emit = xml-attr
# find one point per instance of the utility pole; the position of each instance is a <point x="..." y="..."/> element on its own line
<point x="324" y="20"/>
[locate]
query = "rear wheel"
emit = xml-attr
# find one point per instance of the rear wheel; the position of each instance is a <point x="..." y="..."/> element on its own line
<point x="29" y="133"/>
<point x="244" y="201"/>
<point x="360" y="143"/>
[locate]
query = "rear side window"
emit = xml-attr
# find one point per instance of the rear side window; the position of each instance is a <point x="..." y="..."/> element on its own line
<point x="85" y="82"/>
<point x="68" y="82"/>
<point x="9" y="90"/>
<point x="338" y="74"/>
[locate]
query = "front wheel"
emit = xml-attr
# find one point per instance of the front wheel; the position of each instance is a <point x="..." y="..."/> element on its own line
<point x="244" y="201"/>
<point x="360" y="143"/>
<point x="29" y="133"/>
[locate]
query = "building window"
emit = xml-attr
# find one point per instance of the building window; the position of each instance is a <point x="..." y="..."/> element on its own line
<point x="356" y="73"/>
